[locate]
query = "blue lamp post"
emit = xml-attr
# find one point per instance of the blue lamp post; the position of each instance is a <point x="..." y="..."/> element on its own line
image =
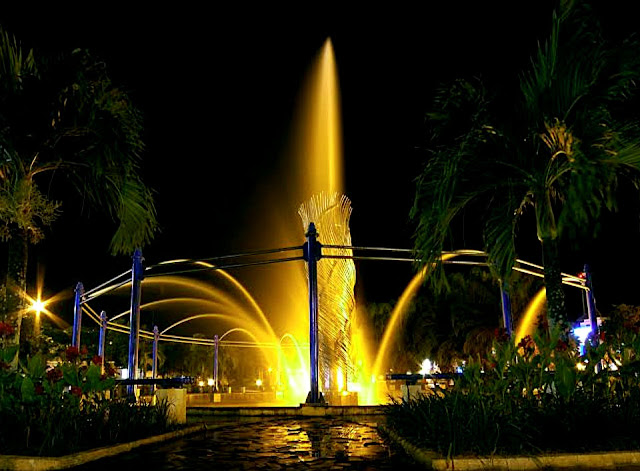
<point x="134" y="318"/>
<point x="312" y="251"/>
<point x="77" y="315"/>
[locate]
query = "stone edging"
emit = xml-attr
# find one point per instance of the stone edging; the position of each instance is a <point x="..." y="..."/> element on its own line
<point x="604" y="460"/>
<point x="421" y="456"/>
<point x="43" y="463"/>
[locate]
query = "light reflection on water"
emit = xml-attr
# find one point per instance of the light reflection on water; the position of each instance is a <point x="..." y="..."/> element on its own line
<point x="258" y="443"/>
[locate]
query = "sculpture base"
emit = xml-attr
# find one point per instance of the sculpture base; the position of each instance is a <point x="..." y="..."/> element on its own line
<point x="319" y="402"/>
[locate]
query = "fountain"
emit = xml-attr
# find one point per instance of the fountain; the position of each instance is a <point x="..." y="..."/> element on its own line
<point x="316" y="192"/>
<point x="275" y="317"/>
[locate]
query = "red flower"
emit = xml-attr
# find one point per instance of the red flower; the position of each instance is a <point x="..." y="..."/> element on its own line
<point x="525" y="341"/>
<point x="6" y="329"/>
<point x="76" y="391"/>
<point x="54" y="374"/>
<point x="528" y="345"/>
<point x="83" y="350"/>
<point x="111" y="371"/>
<point x="562" y="346"/>
<point x="39" y="389"/>
<point x="72" y="353"/>
<point x="96" y="360"/>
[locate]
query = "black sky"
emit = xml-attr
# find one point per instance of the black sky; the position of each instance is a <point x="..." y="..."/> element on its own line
<point x="219" y="89"/>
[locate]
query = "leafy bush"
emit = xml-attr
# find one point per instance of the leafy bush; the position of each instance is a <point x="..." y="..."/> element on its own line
<point x="60" y="409"/>
<point x="537" y="396"/>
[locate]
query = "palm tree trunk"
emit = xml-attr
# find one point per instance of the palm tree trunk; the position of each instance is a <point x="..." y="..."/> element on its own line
<point x="16" y="284"/>
<point x="556" y="306"/>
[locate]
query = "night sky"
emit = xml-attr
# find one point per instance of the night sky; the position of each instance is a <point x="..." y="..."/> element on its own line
<point x="219" y="91"/>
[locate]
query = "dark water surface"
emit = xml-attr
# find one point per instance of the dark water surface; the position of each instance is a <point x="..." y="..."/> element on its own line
<point x="267" y="443"/>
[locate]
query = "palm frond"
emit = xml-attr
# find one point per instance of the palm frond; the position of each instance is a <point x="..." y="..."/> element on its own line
<point x="137" y="218"/>
<point x="499" y="231"/>
<point x="16" y="63"/>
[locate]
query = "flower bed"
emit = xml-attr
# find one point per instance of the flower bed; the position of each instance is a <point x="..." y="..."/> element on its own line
<point x="50" y="410"/>
<point x="535" y="397"/>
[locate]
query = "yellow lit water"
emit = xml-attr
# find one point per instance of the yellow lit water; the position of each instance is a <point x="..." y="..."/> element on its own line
<point x="528" y="323"/>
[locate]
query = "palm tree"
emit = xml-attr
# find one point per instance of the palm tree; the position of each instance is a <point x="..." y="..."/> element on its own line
<point x="553" y="147"/>
<point x="63" y="117"/>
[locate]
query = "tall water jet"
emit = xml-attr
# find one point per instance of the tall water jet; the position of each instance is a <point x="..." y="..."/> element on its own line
<point x="321" y="188"/>
<point x="320" y="139"/>
<point x="310" y="164"/>
<point x="312" y="173"/>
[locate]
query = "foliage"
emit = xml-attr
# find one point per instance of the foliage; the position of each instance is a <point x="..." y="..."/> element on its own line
<point x="537" y="396"/>
<point x="64" y="124"/>
<point x="51" y="410"/>
<point x="549" y="149"/>
<point x="63" y="116"/>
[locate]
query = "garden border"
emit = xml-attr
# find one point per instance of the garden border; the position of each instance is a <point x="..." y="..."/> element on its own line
<point x="43" y="463"/>
<point x="600" y="460"/>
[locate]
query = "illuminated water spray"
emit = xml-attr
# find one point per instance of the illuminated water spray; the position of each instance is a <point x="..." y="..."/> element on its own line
<point x="398" y="313"/>
<point x="319" y="144"/>
<point x="314" y="191"/>
<point x="531" y="315"/>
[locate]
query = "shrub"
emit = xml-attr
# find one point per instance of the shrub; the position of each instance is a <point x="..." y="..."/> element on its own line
<point x="68" y="407"/>
<point x="539" y="395"/>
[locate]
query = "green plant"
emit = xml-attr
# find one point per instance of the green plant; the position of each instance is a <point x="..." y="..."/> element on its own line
<point x="48" y="409"/>
<point x="536" y="395"/>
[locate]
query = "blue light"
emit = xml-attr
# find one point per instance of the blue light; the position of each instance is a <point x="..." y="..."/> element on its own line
<point x="582" y="333"/>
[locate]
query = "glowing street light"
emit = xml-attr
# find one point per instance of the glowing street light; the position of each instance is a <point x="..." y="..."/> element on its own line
<point x="38" y="305"/>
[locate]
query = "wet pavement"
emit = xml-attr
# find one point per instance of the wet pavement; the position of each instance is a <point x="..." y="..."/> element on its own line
<point x="271" y="444"/>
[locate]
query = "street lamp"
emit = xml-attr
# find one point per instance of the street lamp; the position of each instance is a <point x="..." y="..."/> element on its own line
<point x="37" y="306"/>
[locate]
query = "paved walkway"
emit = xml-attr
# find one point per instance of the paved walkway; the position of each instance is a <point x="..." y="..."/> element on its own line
<point x="271" y="444"/>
